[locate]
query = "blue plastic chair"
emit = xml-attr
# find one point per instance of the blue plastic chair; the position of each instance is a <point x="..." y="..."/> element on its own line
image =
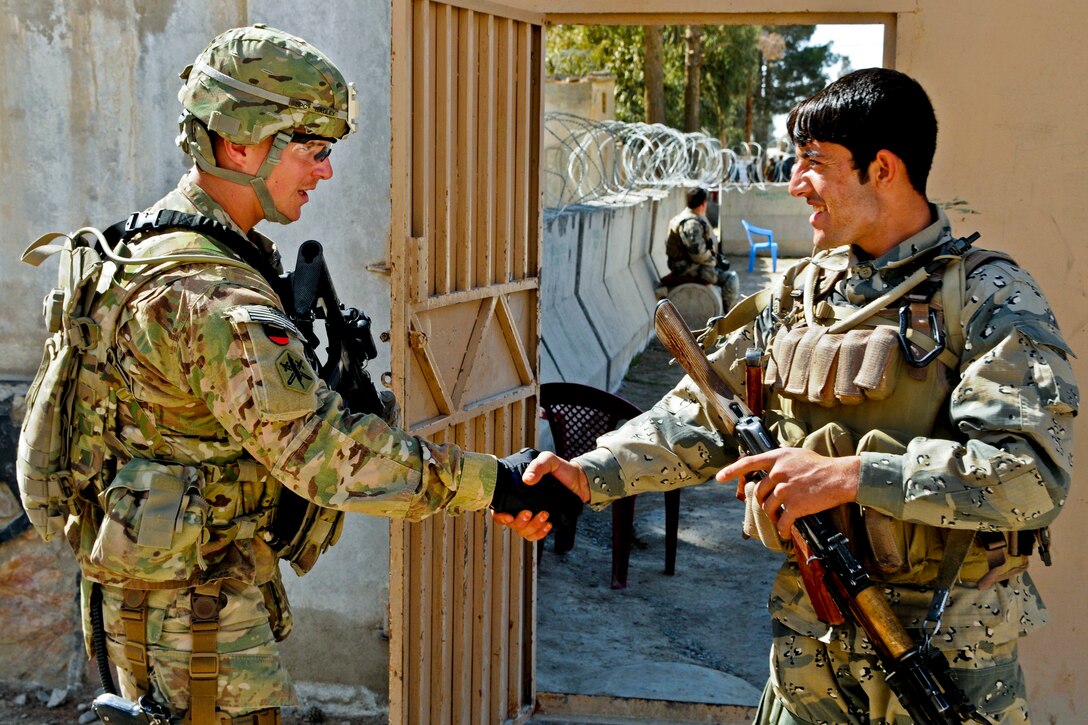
<point x="753" y="245"/>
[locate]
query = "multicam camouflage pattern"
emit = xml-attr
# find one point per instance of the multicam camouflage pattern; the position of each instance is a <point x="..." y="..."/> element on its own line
<point x="997" y="458"/>
<point x="270" y="60"/>
<point x="691" y="247"/>
<point x="197" y="379"/>
<point x="251" y="676"/>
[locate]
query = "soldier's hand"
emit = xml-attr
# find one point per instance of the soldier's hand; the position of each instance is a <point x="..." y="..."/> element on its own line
<point x="526" y="505"/>
<point x="797" y="482"/>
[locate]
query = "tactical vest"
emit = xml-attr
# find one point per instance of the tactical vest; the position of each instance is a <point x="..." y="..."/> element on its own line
<point x="896" y="356"/>
<point x="675" y="248"/>
<point x="133" y="518"/>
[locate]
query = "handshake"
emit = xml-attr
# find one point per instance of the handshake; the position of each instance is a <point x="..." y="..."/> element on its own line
<point x="513" y="495"/>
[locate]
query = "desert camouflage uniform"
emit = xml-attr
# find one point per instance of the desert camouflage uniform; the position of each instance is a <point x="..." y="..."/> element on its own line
<point x="995" y="454"/>
<point x="692" y="251"/>
<point x="691" y="247"/>
<point x="215" y="379"/>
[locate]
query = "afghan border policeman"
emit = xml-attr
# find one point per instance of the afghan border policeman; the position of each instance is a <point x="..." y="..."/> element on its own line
<point x="692" y="250"/>
<point x="198" y="415"/>
<point x="920" y="390"/>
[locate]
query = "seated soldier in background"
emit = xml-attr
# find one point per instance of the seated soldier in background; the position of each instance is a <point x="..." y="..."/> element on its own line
<point x="692" y="250"/>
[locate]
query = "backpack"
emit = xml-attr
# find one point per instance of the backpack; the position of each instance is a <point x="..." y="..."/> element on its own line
<point x="89" y="266"/>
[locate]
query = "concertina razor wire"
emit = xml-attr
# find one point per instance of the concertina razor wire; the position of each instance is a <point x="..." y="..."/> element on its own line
<point x="607" y="162"/>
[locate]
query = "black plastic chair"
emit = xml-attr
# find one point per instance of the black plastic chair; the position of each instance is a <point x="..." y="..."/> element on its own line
<point x="577" y="415"/>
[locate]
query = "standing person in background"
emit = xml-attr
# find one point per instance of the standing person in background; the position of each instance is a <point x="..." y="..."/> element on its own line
<point x="205" y="446"/>
<point x="920" y="391"/>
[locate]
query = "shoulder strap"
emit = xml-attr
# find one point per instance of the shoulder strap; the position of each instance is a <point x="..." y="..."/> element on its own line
<point x="164" y="220"/>
<point x="954" y="291"/>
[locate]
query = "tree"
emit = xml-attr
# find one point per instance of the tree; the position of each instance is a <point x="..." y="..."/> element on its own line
<point x="653" y="70"/>
<point x="796" y="72"/>
<point x="737" y="85"/>
<point x="693" y="73"/>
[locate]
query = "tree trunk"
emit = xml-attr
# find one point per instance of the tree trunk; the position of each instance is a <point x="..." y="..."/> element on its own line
<point x="693" y="70"/>
<point x="653" y="72"/>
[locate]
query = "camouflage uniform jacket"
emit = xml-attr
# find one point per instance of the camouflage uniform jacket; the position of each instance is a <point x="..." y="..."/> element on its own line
<point x="998" y="457"/>
<point x="691" y="243"/>
<point x="215" y="377"/>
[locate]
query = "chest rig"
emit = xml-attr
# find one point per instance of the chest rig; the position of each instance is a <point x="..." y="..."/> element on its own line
<point x="842" y="380"/>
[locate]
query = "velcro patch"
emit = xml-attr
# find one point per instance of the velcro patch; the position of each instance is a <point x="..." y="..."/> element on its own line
<point x="295" y="372"/>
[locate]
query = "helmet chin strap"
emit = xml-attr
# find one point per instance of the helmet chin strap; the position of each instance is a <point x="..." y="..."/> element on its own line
<point x="257" y="182"/>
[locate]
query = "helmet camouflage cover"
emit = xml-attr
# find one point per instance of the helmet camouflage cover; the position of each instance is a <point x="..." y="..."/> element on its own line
<point x="252" y="82"/>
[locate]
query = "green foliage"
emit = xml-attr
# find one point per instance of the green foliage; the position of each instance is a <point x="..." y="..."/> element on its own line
<point x="801" y="72"/>
<point x="733" y="68"/>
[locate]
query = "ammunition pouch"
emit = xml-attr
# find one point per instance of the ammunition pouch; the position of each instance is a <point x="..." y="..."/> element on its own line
<point x="302" y="531"/>
<point x="154" y="525"/>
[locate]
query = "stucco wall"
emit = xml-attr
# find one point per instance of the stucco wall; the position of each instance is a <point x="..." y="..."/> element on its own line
<point x="1007" y="83"/>
<point x="88" y="116"/>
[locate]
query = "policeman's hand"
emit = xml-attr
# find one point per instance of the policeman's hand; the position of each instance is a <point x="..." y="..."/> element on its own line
<point x="568" y="473"/>
<point x="527" y="507"/>
<point x="797" y="482"/>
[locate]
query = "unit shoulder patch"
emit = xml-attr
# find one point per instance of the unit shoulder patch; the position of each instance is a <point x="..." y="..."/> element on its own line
<point x="295" y="372"/>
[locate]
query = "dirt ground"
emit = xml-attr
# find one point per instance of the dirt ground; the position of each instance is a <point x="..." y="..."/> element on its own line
<point x="29" y="705"/>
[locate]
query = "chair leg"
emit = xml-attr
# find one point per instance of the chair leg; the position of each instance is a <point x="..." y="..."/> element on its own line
<point x="623" y="527"/>
<point x="672" y="523"/>
<point x="751" y="259"/>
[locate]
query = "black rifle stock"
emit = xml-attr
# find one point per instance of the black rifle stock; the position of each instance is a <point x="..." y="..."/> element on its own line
<point x="350" y="342"/>
<point x="919" y="678"/>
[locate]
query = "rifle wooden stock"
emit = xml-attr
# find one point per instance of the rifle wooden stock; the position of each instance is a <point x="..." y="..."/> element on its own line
<point x="834" y="578"/>
<point x="678" y="340"/>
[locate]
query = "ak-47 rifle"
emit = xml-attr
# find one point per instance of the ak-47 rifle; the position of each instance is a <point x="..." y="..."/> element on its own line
<point x="918" y="676"/>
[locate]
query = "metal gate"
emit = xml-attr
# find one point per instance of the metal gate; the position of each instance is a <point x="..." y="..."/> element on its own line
<point x="465" y="277"/>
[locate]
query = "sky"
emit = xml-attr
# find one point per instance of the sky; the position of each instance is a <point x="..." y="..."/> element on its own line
<point x="863" y="44"/>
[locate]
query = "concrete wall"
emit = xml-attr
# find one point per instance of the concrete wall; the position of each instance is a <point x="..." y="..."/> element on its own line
<point x="88" y="116"/>
<point x="601" y="264"/>
<point x="771" y="208"/>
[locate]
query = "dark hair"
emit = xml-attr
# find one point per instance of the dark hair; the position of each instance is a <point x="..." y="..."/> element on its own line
<point x="869" y="110"/>
<point x="696" y="197"/>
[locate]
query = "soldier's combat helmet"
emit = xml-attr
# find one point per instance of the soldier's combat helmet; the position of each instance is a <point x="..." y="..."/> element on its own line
<point x="254" y="82"/>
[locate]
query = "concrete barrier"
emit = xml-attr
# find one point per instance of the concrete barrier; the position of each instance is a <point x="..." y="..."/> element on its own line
<point x="570" y="350"/>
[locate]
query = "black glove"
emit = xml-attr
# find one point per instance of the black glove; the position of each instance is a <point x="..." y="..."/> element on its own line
<point x="512" y="495"/>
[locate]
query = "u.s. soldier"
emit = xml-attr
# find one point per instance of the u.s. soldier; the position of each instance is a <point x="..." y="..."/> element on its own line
<point x="200" y="416"/>
<point x="916" y="391"/>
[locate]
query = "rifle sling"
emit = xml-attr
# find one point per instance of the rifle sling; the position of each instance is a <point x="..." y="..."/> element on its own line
<point x="956" y="547"/>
